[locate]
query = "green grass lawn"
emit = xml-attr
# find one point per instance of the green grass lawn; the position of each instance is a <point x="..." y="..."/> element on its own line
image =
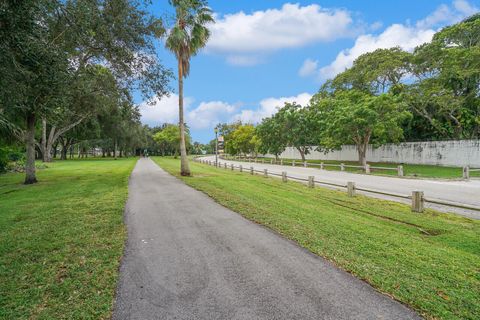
<point x="410" y="170"/>
<point x="429" y="261"/>
<point x="61" y="240"/>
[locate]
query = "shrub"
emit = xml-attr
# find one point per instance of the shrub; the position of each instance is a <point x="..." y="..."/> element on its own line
<point x="10" y="158"/>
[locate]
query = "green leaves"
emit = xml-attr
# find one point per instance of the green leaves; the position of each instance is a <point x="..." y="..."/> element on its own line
<point x="169" y="139"/>
<point x="190" y="32"/>
<point x="243" y="140"/>
<point x="356" y="117"/>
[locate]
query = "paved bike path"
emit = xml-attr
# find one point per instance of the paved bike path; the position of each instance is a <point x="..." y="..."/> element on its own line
<point x="187" y="257"/>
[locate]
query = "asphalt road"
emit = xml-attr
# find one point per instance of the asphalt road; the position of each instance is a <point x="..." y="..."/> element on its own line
<point x="456" y="191"/>
<point x="187" y="257"/>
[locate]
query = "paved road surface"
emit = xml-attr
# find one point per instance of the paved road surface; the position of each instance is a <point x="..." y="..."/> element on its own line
<point x="189" y="258"/>
<point x="457" y="191"/>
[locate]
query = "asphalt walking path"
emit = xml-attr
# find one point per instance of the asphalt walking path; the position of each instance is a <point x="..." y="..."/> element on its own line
<point x="188" y="257"/>
<point x="461" y="192"/>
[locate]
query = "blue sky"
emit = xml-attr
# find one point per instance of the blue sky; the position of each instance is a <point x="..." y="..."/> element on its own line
<point x="264" y="53"/>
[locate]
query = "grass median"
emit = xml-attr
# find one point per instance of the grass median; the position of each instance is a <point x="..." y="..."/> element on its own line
<point x="61" y="240"/>
<point x="429" y="261"/>
<point x="409" y="170"/>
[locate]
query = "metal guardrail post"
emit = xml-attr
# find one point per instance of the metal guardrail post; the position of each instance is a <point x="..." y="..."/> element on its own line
<point x="293" y="163"/>
<point x="400" y="171"/>
<point x="281" y="162"/>
<point x="231" y="167"/>
<point x="321" y="166"/>
<point x="251" y="170"/>
<point x="241" y="168"/>
<point x="311" y="182"/>
<point x="466" y="172"/>
<point x="271" y="161"/>
<point x="225" y="165"/>
<point x="305" y="164"/>
<point x="342" y="166"/>
<point x="284" y="176"/>
<point x="265" y="173"/>
<point x="417" y="201"/>
<point x="351" y="189"/>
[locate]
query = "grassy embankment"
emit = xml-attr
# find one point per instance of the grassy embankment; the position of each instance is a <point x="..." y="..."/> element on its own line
<point x="410" y="170"/>
<point x="429" y="261"/>
<point x="61" y="240"/>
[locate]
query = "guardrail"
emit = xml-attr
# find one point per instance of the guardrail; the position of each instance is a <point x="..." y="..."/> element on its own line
<point x="467" y="170"/>
<point x="367" y="168"/>
<point x="417" y="198"/>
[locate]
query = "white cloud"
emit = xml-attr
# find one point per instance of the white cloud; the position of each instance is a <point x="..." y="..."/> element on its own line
<point x="270" y="106"/>
<point x="208" y="114"/>
<point x="308" y="68"/>
<point x="465" y="8"/>
<point x="163" y="111"/>
<point x="205" y="115"/>
<point x="249" y="35"/>
<point x="396" y="35"/>
<point x="445" y="14"/>
<point x="405" y="36"/>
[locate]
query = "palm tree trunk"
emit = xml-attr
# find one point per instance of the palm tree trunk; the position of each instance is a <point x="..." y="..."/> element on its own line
<point x="184" y="167"/>
<point x="30" y="176"/>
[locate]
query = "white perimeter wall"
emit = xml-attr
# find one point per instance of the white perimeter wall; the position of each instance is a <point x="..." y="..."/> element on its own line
<point x="446" y="153"/>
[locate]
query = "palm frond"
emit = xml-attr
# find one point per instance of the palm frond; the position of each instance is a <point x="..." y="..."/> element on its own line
<point x="190" y="33"/>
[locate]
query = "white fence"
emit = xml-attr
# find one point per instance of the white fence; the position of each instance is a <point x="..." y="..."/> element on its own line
<point x="445" y="153"/>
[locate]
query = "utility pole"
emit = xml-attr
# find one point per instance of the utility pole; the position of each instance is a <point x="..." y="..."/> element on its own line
<point x="216" y="147"/>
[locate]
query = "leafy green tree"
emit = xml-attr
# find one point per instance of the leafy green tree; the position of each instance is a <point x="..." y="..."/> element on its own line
<point x="72" y="37"/>
<point x="374" y="72"/>
<point x="243" y="140"/>
<point x="272" y="139"/>
<point x="446" y="93"/>
<point x="185" y="39"/>
<point x="226" y="130"/>
<point x="169" y="139"/>
<point x="33" y="76"/>
<point x="356" y="117"/>
<point x="298" y="127"/>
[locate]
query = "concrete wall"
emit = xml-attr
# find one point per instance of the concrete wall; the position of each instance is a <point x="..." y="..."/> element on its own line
<point x="446" y="153"/>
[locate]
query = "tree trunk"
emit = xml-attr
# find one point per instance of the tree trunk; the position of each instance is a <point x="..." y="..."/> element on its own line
<point x="30" y="176"/>
<point x="184" y="167"/>
<point x="115" y="149"/>
<point x="64" y="150"/>
<point x="48" y="144"/>
<point x="362" y="153"/>
<point x="55" y="151"/>
<point x="302" y="153"/>
<point x="44" y="140"/>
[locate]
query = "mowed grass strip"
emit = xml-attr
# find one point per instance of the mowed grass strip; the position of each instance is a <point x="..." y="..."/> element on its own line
<point x="429" y="261"/>
<point x="61" y="240"/>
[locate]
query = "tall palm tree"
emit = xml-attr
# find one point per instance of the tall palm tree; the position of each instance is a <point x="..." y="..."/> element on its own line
<point x="185" y="39"/>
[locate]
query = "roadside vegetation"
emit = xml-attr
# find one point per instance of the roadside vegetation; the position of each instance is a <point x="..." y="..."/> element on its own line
<point x="61" y="240"/>
<point x="386" y="96"/>
<point x="428" y="261"/>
